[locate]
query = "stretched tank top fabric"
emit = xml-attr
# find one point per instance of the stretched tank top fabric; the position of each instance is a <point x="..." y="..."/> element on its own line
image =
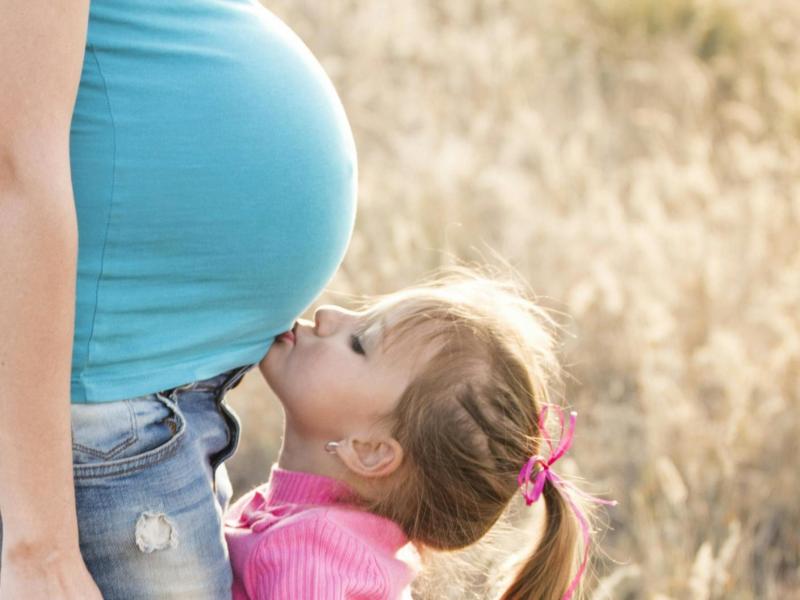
<point x="214" y="174"/>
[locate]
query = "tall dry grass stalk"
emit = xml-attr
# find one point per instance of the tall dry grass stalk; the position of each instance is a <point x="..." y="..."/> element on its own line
<point x="638" y="162"/>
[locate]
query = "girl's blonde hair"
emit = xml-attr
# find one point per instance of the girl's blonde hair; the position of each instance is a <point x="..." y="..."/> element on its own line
<point x="468" y="421"/>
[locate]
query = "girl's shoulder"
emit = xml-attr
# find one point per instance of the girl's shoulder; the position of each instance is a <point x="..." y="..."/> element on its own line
<point x="378" y="532"/>
<point x="334" y="525"/>
<point x="337" y="546"/>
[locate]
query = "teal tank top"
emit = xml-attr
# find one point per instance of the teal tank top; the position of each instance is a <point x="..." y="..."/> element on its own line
<point x="214" y="174"/>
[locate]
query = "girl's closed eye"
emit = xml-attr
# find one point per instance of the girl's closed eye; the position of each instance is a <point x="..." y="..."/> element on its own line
<point x="355" y="344"/>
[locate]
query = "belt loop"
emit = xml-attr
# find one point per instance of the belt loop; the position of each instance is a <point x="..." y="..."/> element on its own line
<point x="235" y="379"/>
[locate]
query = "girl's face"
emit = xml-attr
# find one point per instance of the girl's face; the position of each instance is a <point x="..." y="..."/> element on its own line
<point x="333" y="377"/>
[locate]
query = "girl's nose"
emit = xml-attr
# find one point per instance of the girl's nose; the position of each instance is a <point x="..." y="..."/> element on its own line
<point x="327" y="320"/>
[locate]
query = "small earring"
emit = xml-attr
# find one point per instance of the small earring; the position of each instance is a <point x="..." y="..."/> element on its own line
<point x="331" y="447"/>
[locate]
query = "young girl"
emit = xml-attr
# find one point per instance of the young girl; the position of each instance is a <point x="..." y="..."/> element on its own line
<point x="416" y="419"/>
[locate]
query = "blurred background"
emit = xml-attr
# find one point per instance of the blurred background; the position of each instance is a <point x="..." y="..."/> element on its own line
<point x="638" y="163"/>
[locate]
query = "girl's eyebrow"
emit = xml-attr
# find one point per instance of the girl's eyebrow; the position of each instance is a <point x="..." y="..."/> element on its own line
<point x="372" y="335"/>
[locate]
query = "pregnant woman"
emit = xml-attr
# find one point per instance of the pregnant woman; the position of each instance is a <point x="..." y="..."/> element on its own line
<point x="177" y="183"/>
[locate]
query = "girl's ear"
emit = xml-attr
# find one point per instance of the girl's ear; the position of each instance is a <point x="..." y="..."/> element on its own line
<point x="371" y="457"/>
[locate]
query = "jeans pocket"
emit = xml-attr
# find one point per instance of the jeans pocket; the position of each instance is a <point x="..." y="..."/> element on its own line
<point x="122" y="437"/>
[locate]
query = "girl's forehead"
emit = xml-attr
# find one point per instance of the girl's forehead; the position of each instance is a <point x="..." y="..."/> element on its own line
<point x="394" y="314"/>
<point x="385" y="325"/>
<point x="397" y="336"/>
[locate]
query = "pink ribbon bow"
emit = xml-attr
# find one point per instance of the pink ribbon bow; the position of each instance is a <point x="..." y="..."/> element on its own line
<point x="532" y="490"/>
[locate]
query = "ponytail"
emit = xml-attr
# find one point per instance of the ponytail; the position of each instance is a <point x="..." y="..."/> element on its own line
<point x="546" y="575"/>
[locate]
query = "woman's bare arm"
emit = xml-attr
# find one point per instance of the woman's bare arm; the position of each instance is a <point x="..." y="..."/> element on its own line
<point x="41" y="53"/>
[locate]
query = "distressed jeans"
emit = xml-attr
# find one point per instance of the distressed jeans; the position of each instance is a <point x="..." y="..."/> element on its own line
<point x="151" y="489"/>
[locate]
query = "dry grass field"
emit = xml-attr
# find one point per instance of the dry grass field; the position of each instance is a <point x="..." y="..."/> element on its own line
<point x="638" y="163"/>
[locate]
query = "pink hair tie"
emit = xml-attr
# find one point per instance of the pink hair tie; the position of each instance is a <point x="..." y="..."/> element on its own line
<point x="532" y="490"/>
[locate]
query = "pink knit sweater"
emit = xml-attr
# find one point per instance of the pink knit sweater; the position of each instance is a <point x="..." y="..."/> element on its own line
<point x="295" y="538"/>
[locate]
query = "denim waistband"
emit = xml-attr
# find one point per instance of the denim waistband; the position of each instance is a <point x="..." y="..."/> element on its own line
<point x="220" y="383"/>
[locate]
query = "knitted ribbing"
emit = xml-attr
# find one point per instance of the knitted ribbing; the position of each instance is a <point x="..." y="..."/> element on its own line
<point x="297" y="538"/>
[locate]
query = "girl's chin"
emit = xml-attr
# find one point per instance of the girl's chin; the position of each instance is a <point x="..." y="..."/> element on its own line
<point x="276" y="348"/>
<point x="273" y="366"/>
<point x="264" y="367"/>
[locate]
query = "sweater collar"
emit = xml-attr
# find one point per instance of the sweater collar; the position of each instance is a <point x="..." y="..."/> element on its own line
<point x="295" y="487"/>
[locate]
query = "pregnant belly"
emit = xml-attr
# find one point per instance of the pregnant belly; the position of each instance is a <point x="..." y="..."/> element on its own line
<point x="214" y="174"/>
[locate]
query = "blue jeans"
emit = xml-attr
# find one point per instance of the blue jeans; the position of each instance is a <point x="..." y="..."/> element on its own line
<point x="151" y="488"/>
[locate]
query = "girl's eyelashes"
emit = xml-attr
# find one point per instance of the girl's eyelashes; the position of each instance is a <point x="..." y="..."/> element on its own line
<point x="355" y="344"/>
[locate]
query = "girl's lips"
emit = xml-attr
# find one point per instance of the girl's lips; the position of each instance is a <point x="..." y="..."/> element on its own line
<point x="288" y="336"/>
